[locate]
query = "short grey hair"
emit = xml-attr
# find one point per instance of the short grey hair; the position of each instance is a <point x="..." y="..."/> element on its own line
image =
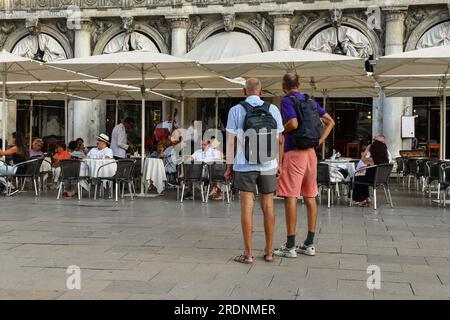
<point x="253" y="84"/>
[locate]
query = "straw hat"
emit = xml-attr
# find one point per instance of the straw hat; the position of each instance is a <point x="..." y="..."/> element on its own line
<point x="103" y="137"/>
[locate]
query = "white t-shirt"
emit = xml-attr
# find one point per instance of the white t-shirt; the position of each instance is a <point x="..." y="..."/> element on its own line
<point x="209" y="155"/>
<point x="95" y="153"/>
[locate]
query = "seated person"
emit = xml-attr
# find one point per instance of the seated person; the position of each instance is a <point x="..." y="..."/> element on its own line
<point x="19" y="153"/>
<point x="378" y="155"/>
<point x="61" y="154"/>
<point x="159" y="152"/>
<point x="169" y="160"/>
<point x="36" y="148"/>
<point x="102" y="151"/>
<point x="72" y="148"/>
<point x="206" y="153"/>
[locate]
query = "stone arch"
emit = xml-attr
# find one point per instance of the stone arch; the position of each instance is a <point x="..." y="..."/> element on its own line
<point x="320" y="24"/>
<point x="213" y="28"/>
<point x="50" y="30"/>
<point x="423" y="27"/>
<point x="148" y="31"/>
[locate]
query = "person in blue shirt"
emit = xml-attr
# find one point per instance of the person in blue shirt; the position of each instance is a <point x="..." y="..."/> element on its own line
<point x="246" y="176"/>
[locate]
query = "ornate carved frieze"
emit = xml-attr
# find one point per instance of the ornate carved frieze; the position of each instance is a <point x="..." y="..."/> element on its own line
<point x="163" y="27"/>
<point x="197" y="23"/>
<point x="416" y="15"/>
<point x="99" y="27"/>
<point x="6" y="28"/>
<point x="299" y="22"/>
<point x="262" y="23"/>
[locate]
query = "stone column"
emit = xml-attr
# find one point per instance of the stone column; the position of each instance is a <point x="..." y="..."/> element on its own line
<point x="179" y="25"/>
<point x="88" y="119"/>
<point x="395" y="108"/>
<point x="282" y="30"/>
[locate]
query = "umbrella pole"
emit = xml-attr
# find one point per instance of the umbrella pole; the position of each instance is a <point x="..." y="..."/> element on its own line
<point x="31" y="120"/>
<point x="142" y="142"/>
<point x="66" y="120"/>
<point x="116" y="117"/>
<point x="443" y="121"/>
<point x="4" y="122"/>
<point x="324" y="107"/>
<point x="217" y="110"/>
<point x="182" y="106"/>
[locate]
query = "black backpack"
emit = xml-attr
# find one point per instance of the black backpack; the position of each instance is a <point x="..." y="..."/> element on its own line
<point x="260" y="142"/>
<point x="309" y="130"/>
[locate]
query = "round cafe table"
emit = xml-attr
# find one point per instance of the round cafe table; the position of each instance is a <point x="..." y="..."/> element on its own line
<point x="154" y="173"/>
<point x="341" y="164"/>
<point x="90" y="167"/>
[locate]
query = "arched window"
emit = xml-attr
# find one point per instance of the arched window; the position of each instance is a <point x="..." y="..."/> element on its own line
<point x="224" y="45"/>
<point x="130" y="41"/>
<point x="41" y="47"/>
<point x="439" y="35"/>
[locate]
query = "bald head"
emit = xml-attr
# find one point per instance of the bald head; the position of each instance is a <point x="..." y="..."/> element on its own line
<point x="290" y="82"/>
<point x="252" y="87"/>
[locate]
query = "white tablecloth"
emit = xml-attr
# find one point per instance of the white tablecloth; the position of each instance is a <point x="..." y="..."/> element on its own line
<point x="154" y="173"/>
<point x="89" y="167"/>
<point x="342" y="164"/>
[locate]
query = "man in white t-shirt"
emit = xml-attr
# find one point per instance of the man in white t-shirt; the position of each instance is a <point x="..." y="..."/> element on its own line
<point x="102" y="151"/>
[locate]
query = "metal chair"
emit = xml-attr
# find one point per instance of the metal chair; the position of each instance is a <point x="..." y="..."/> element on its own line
<point x="216" y="172"/>
<point x="431" y="174"/>
<point x="401" y="168"/>
<point x="324" y="181"/>
<point x="382" y="173"/>
<point x="444" y="182"/>
<point x="192" y="173"/>
<point x="124" y="174"/>
<point x="70" y="171"/>
<point x="23" y="171"/>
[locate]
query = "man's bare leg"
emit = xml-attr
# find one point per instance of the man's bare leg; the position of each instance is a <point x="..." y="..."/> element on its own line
<point x="267" y="207"/>
<point x="247" y="205"/>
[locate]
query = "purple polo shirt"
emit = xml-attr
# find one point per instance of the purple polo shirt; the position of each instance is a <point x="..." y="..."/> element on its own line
<point x="288" y="113"/>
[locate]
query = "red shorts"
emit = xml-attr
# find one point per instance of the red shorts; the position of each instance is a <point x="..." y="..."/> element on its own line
<point x="298" y="174"/>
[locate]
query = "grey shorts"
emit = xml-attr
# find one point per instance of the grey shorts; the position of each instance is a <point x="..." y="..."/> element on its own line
<point x="247" y="182"/>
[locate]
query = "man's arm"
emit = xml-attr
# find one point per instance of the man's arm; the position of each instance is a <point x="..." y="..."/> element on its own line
<point x="280" y="152"/>
<point x="231" y="151"/>
<point x="291" y="125"/>
<point x="328" y="126"/>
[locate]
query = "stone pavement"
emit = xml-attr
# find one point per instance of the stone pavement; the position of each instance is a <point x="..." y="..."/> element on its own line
<point x="157" y="248"/>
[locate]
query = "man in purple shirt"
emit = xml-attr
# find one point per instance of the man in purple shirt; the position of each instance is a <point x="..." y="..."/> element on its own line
<point x="298" y="175"/>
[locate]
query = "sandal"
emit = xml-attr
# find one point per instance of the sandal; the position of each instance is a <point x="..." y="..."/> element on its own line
<point x="268" y="257"/>
<point x="243" y="259"/>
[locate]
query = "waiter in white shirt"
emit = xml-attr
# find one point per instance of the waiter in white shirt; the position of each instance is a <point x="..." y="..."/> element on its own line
<point x="119" y="141"/>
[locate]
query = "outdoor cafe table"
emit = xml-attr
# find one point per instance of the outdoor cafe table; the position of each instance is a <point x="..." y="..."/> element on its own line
<point x="341" y="164"/>
<point x="89" y="168"/>
<point x="154" y="173"/>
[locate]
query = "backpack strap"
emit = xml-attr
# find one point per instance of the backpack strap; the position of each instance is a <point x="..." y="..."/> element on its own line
<point x="247" y="106"/>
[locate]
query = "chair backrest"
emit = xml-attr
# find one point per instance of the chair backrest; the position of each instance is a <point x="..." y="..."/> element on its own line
<point x="29" y="168"/>
<point x="217" y="171"/>
<point x="37" y="169"/>
<point x="137" y="169"/>
<point x="432" y="169"/>
<point x="70" y="168"/>
<point x="444" y="173"/>
<point x="412" y="166"/>
<point x="125" y="168"/>
<point x="323" y="174"/>
<point x="193" y="171"/>
<point x="400" y="164"/>
<point x="382" y="174"/>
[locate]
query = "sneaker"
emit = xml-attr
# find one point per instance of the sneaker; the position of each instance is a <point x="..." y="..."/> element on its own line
<point x="188" y="196"/>
<point x="285" y="252"/>
<point x="307" y="250"/>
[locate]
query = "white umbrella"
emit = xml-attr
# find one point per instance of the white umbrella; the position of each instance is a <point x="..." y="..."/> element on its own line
<point x="132" y="64"/>
<point x="276" y="63"/>
<point x="17" y="68"/>
<point x="420" y="63"/>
